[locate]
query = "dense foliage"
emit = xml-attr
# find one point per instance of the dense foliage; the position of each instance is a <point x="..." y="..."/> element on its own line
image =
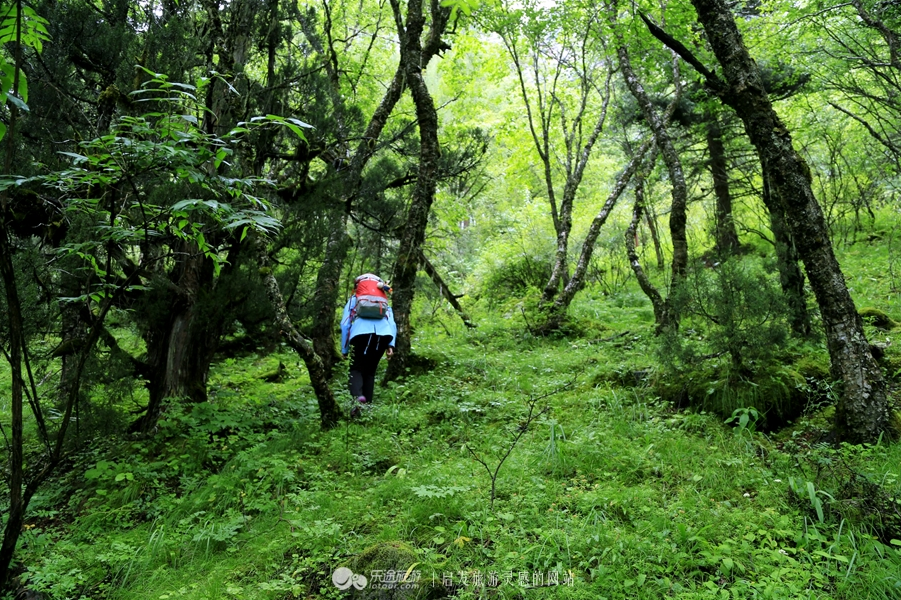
<point x="644" y="268"/>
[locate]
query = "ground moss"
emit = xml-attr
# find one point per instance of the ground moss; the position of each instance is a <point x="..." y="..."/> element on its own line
<point x="389" y="561"/>
<point x="891" y="360"/>
<point x="877" y="318"/>
<point x="777" y="392"/>
<point x="813" y="367"/>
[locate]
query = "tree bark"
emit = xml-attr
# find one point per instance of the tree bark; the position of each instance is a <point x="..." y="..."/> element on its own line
<point x="791" y="278"/>
<point x="409" y="249"/>
<point x="651" y="219"/>
<point x="862" y="413"/>
<point x="679" y="189"/>
<point x="16" y="511"/>
<point x="328" y="408"/>
<point x="644" y="281"/>
<point x="432" y="272"/>
<point x="725" y="234"/>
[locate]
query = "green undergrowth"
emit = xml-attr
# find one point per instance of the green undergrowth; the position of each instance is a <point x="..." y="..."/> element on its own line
<point x="611" y="492"/>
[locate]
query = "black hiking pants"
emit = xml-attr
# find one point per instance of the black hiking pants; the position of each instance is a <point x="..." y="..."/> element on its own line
<point x="365" y="353"/>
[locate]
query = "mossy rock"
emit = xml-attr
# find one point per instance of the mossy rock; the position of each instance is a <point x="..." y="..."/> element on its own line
<point x="894" y="425"/>
<point x="892" y="362"/>
<point x="778" y="393"/>
<point x="417" y="364"/>
<point x="877" y="318"/>
<point x="623" y="376"/>
<point x="386" y="566"/>
<point x="813" y="367"/>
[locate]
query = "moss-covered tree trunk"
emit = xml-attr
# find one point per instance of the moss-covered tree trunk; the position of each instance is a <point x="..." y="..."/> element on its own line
<point x="409" y="249"/>
<point x="328" y="279"/>
<point x="679" y="190"/>
<point x="725" y="234"/>
<point x="328" y="408"/>
<point x="184" y="336"/>
<point x="862" y="413"/>
<point x="791" y="278"/>
<point x="657" y="301"/>
<point x="556" y="311"/>
<point x="16" y="505"/>
<point x="650" y="219"/>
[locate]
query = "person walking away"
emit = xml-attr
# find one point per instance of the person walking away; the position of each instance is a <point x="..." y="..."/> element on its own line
<point x="368" y="331"/>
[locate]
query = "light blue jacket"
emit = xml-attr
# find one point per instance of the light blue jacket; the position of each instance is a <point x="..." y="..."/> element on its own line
<point x="361" y="326"/>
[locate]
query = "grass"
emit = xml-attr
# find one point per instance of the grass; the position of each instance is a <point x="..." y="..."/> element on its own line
<point x="612" y="492"/>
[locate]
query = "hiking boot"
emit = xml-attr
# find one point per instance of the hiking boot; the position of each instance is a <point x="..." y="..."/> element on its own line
<point x="357" y="410"/>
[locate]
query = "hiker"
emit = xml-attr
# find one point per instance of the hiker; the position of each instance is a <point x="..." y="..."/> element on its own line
<point x="367" y="332"/>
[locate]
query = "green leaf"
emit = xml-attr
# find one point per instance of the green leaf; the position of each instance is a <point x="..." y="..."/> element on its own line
<point x="299" y="123"/>
<point x="78" y="157"/>
<point x="17" y="102"/>
<point x="296" y="130"/>
<point x="811" y="492"/>
<point x="220" y="156"/>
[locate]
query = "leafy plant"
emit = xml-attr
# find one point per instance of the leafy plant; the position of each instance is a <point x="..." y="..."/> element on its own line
<point x="806" y="489"/>
<point x="742" y="311"/>
<point x="20" y="26"/>
<point x="744" y="419"/>
<point x="553" y="452"/>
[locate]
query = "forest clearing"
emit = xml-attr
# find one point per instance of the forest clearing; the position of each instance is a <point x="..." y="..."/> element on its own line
<point x="620" y="288"/>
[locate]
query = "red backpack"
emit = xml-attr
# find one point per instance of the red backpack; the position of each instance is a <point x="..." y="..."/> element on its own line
<point x="372" y="301"/>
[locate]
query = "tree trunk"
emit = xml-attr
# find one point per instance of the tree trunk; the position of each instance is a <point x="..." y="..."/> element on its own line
<point x="325" y="296"/>
<point x="328" y="278"/>
<point x="557" y="311"/>
<point x="651" y="219"/>
<point x="677" y="179"/>
<point x="644" y="281"/>
<point x="726" y="236"/>
<point x="862" y="414"/>
<point x="17" y="505"/>
<point x="791" y="277"/>
<point x="577" y="152"/>
<point x="328" y="408"/>
<point x="16" y="510"/>
<point x="180" y="348"/>
<point x="575" y="170"/>
<point x="432" y="272"/>
<point x="409" y="249"/>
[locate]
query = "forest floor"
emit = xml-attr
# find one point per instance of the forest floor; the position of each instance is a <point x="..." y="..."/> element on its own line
<point x="604" y="491"/>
